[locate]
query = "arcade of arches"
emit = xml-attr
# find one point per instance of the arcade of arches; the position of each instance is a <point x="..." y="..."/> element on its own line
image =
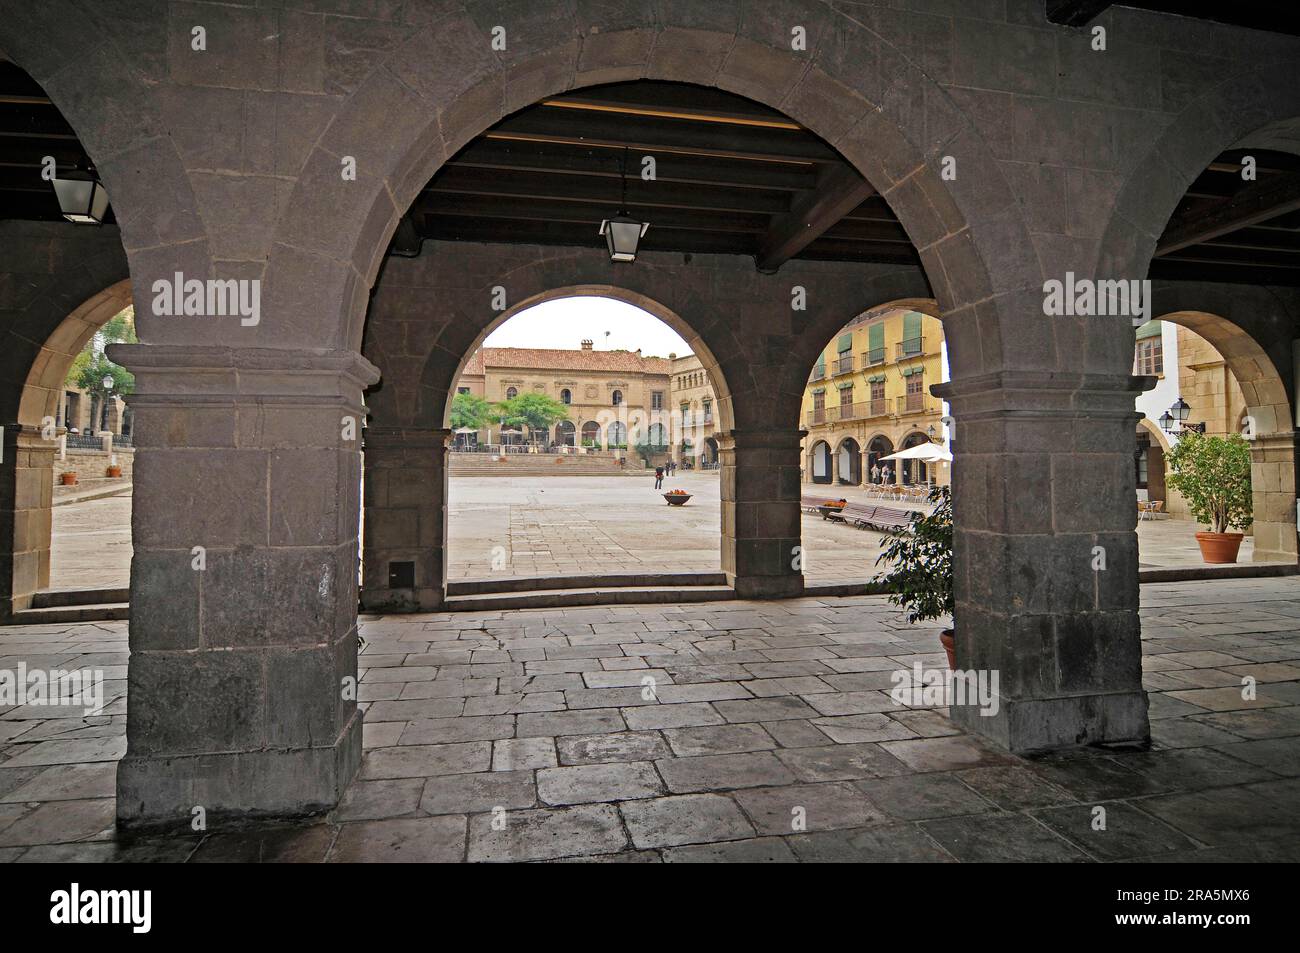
<point x="226" y="166"/>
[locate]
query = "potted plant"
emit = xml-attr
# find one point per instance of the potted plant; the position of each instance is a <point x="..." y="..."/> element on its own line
<point x="68" y="477"/>
<point x="920" y="566"/>
<point x="1213" y="475"/>
<point x="114" y="471"/>
<point x="677" y="497"/>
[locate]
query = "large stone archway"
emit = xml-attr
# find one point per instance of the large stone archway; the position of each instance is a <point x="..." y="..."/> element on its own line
<point x="758" y="366"/>
<point x="1235" y="320"/>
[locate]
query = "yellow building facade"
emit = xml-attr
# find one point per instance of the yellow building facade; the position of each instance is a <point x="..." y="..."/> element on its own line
<point x="869" y="396"/>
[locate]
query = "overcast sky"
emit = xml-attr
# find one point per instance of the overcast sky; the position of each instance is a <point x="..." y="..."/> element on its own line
<point x="564" y="322"/>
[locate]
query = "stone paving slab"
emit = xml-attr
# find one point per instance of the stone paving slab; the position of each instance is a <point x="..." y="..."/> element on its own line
<point x="526" y="736"/>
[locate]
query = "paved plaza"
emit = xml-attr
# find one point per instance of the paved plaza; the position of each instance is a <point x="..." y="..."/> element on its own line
<point x="730" y="731"/>
<point x="551" y="526"/>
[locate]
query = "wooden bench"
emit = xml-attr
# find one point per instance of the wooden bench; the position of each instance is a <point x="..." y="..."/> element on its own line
<point x="876" y="517"/>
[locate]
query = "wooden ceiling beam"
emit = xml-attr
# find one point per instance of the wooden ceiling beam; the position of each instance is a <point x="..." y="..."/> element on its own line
<point x="1256" y="203"/>
<point x="840" y="191"/>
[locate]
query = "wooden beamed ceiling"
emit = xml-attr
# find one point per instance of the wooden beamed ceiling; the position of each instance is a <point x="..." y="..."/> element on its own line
<point x="730" y="176"/>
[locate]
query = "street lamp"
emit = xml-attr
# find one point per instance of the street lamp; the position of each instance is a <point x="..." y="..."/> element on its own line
<point x="930" y="430"/>
<point x="82" y="198"/>
<point x="1175" y="418"/>
<point x="622" y="232"/>
<point x="107" y="383"/>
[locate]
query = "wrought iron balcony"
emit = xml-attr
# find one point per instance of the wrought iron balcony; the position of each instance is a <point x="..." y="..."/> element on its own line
<point x="911" y="347"/>
<point x="844" y="365"/>
<point x="873" y="357"/>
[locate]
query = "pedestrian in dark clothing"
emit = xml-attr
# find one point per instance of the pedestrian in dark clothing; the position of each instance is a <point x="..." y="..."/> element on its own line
<point x="659" y="478"/>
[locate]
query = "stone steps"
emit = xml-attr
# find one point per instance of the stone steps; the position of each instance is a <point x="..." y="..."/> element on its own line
<point x="76" y="605"/>
<point x="572" y="598"/>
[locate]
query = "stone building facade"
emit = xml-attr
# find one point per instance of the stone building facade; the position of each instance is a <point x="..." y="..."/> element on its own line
<point x="868" y="396"/>
<point x="694" y="414"/>
<point x="616" y="399"/>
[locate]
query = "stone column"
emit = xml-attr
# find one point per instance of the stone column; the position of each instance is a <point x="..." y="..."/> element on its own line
<point x="405" y="519"/>
<point x="244" y="582"/>
<point x="761" y="528"/>
<point x="1046" y="559"/>
<point x="1272" y="481"/>
<point x="835" y="466"/>
<point x="26" y="498"/>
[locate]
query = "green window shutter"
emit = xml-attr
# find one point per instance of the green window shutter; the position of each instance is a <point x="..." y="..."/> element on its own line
<point x="819" y="390"/>
<point x="821" y="361"/>
<point x="848" y="386"/>
<point x="911" y="325"/>
<point x="876" y="336"/>
<point x="877" y="378"/>
<point x="846" y="343"/>
<point x="1149" y="330"/>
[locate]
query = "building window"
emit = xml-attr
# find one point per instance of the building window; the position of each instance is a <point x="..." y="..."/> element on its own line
<point x="656" y="400"/>
<point x="846" y="397"/>
<point x="462" y="390"/>
<point x="617" y="398"/>
<point x="512" y="393"/>
<point x="877" y="390"/>
<point x="1148" y="357"/>
<point x="566" y="396"/>
<point x="708" y="411"/>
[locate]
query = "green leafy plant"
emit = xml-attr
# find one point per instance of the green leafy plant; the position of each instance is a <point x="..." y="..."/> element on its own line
<point x="533" y="411"/>
<point x="920" y="561"/>
<point x="470" y="410"/>
<point x="1213" y="474"/>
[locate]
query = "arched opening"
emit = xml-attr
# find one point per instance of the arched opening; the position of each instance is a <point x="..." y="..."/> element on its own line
<point x="913" y="472"/>
<point x="849" y="465"/>
<point x="565" y="433"/>
<point x="709" y="456"/>
<point x="820" y="462"/>
<point x="616" y="435"/>
<point x="591" y="435"/>
<point x="879" y="448"/>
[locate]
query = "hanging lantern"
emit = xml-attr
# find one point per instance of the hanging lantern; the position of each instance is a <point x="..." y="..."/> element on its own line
<point x="622" y="232"/>
<point x="82" y="198"/>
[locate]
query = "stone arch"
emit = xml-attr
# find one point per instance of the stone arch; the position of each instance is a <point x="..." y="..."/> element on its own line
<point x="116" y="111"/>
<point x="1258" y="106"/>
<point x="912" y="471"/>
<point x="441" y="369"/>
<point x="1222" y="316"/>
<point x="820" y="462"/>
<point x="848" y="461"/>
<point x="1160" y="436"/>
<point x="414" y="110"/>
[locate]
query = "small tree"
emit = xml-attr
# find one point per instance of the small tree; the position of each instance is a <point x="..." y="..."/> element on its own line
<point x="1213" y="475"/>
<point x="470" y="410"/>
<point x="920" y="579"/>
<point x="534" y="411"/>
<point x="91" y="367"/>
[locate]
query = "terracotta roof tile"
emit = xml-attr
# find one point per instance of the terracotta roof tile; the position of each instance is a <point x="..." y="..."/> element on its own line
<point x="561" y="359"/>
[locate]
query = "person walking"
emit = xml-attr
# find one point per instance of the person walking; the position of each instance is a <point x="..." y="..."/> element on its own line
<point x="875" y="473"/>
<point x="659" y="478"/>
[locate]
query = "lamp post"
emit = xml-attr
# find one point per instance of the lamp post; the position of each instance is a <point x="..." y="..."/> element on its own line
<point x="1174" y="420"/>
<point x="107" y="383"/>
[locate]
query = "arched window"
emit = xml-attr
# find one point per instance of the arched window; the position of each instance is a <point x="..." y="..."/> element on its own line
<point x="566" y="396"/>
<point x="617" y="397"/>
<point x="511" y="393"/>
<point x="617" y="433"/>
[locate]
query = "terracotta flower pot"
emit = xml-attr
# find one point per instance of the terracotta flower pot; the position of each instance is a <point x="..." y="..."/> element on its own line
<point x="114" y="472"/>
<point x="1219" y="547"/>
<point x="68" y="479"/>
<point x="949" y="646"/>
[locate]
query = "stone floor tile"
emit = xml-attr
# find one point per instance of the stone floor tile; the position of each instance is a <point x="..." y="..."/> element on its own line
<point x="1128" y="831"/>
<point x="721" y="772"/>
<point x="831" y="805"/>
<point x="850" y="703"/>
<point x="154" y="850"/>
<point x="441" y="731"/>
<point x="65" y="782"/>
<point x="57" y="822"/>
<point x="758" y="850"/>
<point x="1256" y="724"/>
<point x="702" y="692"/>
<point x="683" y="715"/>
<point x="795" y="733"/>
<point x="286" y="845"/>
<point x="914" y="797"/>
<point x="83" y="751"/>
<point x="1190" y="769"/>
<point x="588" y="783"/>
<point x="416" y="840"/>
<point x="1186" y="733"/>
<point x="1279" y="755"/>
<point x="605" y="698"/>
<point x="841" y="762"/>
<point x="903" y="843"/>
<point x="474" y="793"/>
<point x="416" y="709"/>
<point x="514" y="704"/>
<point x="632" y="678"/>
<point x="548" y="833"/>
<point x="370" y="800"/>
<point x="687" y="819"/>
<point x="1226" y="817"/>
<point x="945" y="754"/>
<point x="765" y="709"/>
<point x="522" y="754"/>
<point x="857" y="729"/>
<point x="614" y="746"/>
<point x="718" y="739"/>
<point x="422" y="761"/>
<point x="553" y="724"/>
<point x="1014" y="789"/>
<point x="1001" y="838"/>
<point x="1223" y="699"/>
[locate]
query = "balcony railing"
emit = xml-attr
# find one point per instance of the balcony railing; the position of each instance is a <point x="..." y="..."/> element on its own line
<point x="877" y="407"/>
<point x="818" y="373"/>
<point x="911" y="347"/>
<point x="844" y="365"/>
<point x="817" y="416"/>
<point x="873" y="357"/>
<point x="911" y="404"/>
